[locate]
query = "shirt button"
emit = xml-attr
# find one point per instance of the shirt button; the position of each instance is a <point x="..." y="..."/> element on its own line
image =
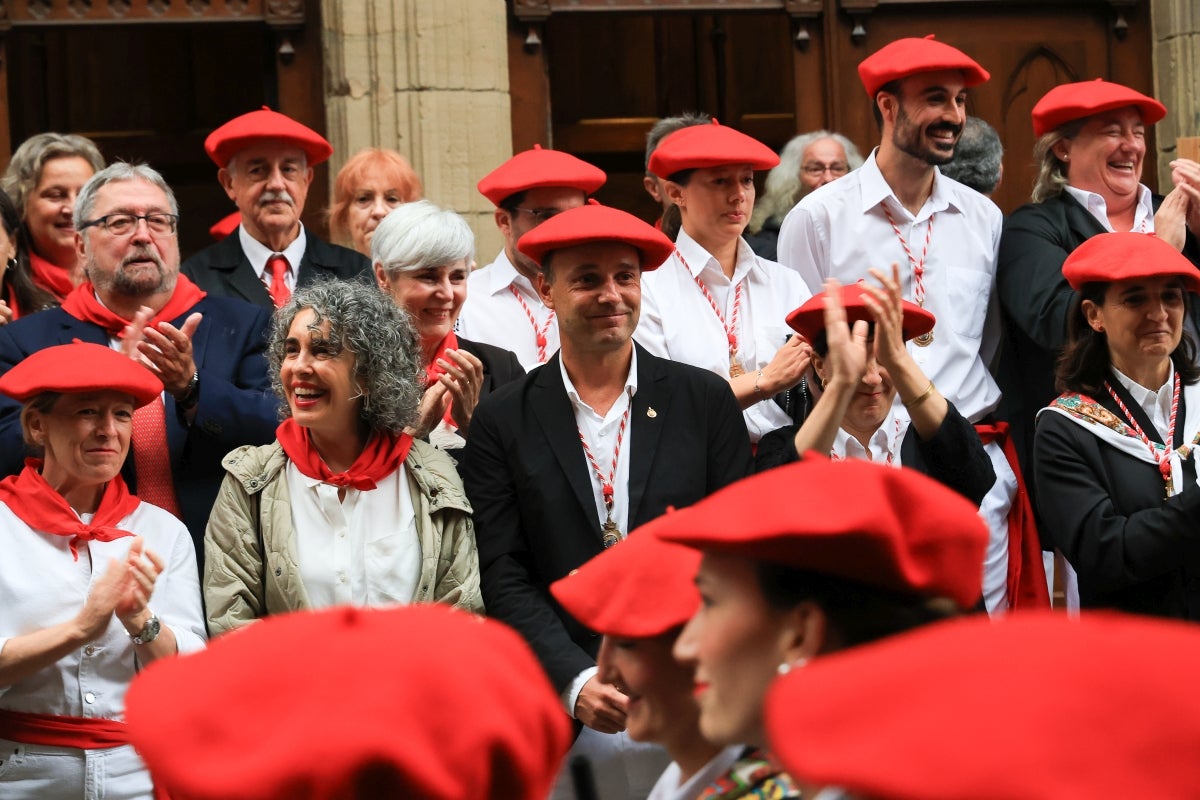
<point x="89" y="698"/>
<point x="89" y="650"/>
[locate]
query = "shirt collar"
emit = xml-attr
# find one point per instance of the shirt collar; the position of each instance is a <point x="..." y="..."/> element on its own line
<point x="257" y="253"/>
<point x="631" y="383"/>
<point x="875" y="190"/>
<point x="697" y="259"/>
<point x="1152" y="401"/>
<point x="1098" y="208"/>
<point x="502" y="274"/>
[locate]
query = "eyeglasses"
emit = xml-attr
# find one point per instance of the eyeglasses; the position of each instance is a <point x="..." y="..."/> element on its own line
<point x="124" y="224"/>
<point x="838" y="168"/>
<point x="540" y="214"/>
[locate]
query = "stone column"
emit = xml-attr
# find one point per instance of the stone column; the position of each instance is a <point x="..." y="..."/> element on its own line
<point x="429" y="79"/>
<point x="1175" y="26"/>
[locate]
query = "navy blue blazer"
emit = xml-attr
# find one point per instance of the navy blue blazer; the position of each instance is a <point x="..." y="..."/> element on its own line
<point x="223" y="270"/>
<point x="531" y="487"/>
<point x="236" y="405"/>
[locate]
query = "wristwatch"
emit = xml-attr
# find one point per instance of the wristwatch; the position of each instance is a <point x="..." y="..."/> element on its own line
<point x="149" y="631"/>
<point x="191" y="395"/>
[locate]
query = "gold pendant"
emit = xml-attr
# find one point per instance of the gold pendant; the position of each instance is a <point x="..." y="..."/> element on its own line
<point x="735" y="367"/>
<point x="611" y="533"/>
<point x="924" y="340"/>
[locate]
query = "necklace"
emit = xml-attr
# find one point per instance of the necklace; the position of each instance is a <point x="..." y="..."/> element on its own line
<point x="731" y="327"/>
<point x="538" y="333"/>
<point x="611" y="534"/>
<point x="918" y="268"/>
<point x="1161" y="457"/>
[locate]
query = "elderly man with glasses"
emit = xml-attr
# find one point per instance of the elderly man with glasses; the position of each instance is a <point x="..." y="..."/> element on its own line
<point x="208" y="351"/>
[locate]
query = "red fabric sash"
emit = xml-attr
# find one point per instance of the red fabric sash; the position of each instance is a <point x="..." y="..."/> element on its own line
<point x="51" y="277"/>
<point x="382" y="456"/>
<point x="1026" y="573"/>
<point x="51" y="730"/>
<point x="82" y="304"/>
<point x="40" y="507"/>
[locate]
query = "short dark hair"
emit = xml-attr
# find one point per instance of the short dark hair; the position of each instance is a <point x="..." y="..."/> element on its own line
<point x="1084" y="363"/>
<point x="511" y="202"/>
<point x="891" y="87"/>
<point x="857" y="613"/>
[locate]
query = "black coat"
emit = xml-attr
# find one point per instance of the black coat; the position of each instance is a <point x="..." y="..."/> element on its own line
<point x="223" y="270"/>
<point x="1134" y="549"/>
<point x="531" y="488"/>
<point x="500" y="366"/>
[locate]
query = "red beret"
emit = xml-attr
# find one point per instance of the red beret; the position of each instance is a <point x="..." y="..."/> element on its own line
<point x="809" y="319"/>
<point x="637" y="589"/>
<point x="412" y="701"/>
<point x="77" y="368"/>
<point x="597" y="223"/>
<point x="225" y="226"/>
<point x="1109" y="257"/>
<point x="536" y="168"/>
<point x="894" y="529"/>
<point x="715" y="145"/>
<point x="1072" y="101"/>
<point x="255" y="126"/>
<point x="1034" y="706"/>
<point x="905" y="57"/>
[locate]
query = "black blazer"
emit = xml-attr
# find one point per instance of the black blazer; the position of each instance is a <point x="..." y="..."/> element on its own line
<point x="500" y="366"/>
<point x="1134" y="549"/>
<point x="223" y="270"/>
<point x="1036" y="299"/>
<point x="531" y="487"/>
<point x="236" y="405"/>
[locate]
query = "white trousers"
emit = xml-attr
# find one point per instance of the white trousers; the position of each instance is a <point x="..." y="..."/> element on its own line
<point x="38" y="772"/>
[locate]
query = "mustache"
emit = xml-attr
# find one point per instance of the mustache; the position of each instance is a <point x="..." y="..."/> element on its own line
<point x="142" y="254"/>
<point x="276" y="197"/>
<point x="945" y="126"/>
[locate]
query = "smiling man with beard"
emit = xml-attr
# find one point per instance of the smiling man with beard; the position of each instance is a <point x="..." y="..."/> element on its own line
<point x="208" y="351"/>
<point x="899" y="208"/>
<point x="266" y="160"/>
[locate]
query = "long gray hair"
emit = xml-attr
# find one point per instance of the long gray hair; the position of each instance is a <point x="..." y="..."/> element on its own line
<point x="783" y="188"/>
<point x="363" y="320"/>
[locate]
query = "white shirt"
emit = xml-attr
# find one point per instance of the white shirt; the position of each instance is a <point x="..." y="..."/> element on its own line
<point x="492" y="314"/>
<point x="1143" y="215"/>
<point x="678" y="322"/>
<point x="885" y="442"/>
<point x="258" y="254"/>
<point x="362" y="551"/>
<point x="669" y="788"/>
<point x="41" y="585"/>
<point x="1156" y="403"/>
<point x="601" y="435"/>
<point x="840" y="230"/>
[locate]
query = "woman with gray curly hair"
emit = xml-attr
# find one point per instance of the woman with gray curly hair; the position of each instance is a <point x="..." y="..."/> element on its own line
<point x="344" y="507"/>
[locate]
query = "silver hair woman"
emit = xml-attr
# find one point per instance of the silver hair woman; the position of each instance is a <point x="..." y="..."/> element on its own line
<point x="344" y="507"/>
<point x="43" y="178"/>
<point x="422" y="255"/>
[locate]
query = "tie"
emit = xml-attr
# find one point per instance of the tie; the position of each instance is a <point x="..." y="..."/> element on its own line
<point x="277" y="265"/>
<point x="151" y="458"/>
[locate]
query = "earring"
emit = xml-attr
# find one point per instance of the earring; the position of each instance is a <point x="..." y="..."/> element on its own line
<point x="787" y="666"/>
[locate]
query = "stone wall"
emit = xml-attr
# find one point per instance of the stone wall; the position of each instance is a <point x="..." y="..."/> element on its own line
<point x="1176" y="46"/>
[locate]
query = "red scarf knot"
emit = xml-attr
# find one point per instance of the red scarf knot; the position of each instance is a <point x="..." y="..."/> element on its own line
<point x="82" y="304"/>
<point x="382" y="456"/>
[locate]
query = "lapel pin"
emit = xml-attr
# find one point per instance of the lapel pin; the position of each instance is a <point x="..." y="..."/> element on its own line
<point x="651" y="413"/>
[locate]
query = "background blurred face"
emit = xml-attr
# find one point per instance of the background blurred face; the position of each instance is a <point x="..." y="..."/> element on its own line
<point x="1106" y="157"/>
<point x="717" y="202"/>
<point x="269" y="182"/>
<point x="735" y="644"/>
<point x="432" y="297"/>
<point x="1143" y="320"/>
<point x="539" y="205"/>
<point x="596" y="295"/>
<point x="138" y="263"/>
<point x="822" y="162"/>
<point x="86" y="438"/>
<point x="372" y="201"/>
<point x="49" y="208"/>
<point x="318" y="379"/>
<point x="660" y="690"/>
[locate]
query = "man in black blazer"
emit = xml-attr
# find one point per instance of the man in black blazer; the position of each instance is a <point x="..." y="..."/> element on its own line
<point x="266" y="162"/>
<point x="602" y="438"/>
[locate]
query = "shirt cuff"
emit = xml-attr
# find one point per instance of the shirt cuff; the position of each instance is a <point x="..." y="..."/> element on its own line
<point x="571" y="694"/>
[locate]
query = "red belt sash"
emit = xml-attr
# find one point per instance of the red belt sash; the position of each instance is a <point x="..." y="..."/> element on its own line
<point x="1026" y="572"/>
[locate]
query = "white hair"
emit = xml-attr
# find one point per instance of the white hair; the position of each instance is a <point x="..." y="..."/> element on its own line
<point x="419" y="235"/>
<point x="783" y="188"/>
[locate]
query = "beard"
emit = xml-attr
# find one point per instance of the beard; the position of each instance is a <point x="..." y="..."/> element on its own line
<point x="138" y="282"/>
<point x="910" y="139"/>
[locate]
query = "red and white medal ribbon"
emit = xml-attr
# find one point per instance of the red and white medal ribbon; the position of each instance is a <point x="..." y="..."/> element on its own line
<point x="538" y="333"/>
<point x="1161" y="457"/>
<point x="731" y="327"/>
<point x="607" y="491"/>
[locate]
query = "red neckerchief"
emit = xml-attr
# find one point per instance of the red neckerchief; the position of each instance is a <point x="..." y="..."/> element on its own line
<point x="9" y="295"/>
<point x="382" y="456"/>
<point x="51" y="277"/>
<point x="433" y="371"/>
<point x="40" y="507"/>
<point x="82" y="304"/>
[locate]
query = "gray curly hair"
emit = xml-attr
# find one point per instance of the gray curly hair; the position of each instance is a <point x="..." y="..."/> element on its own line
<point x="783" y="188"/>
<point x="365" y="321"/>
